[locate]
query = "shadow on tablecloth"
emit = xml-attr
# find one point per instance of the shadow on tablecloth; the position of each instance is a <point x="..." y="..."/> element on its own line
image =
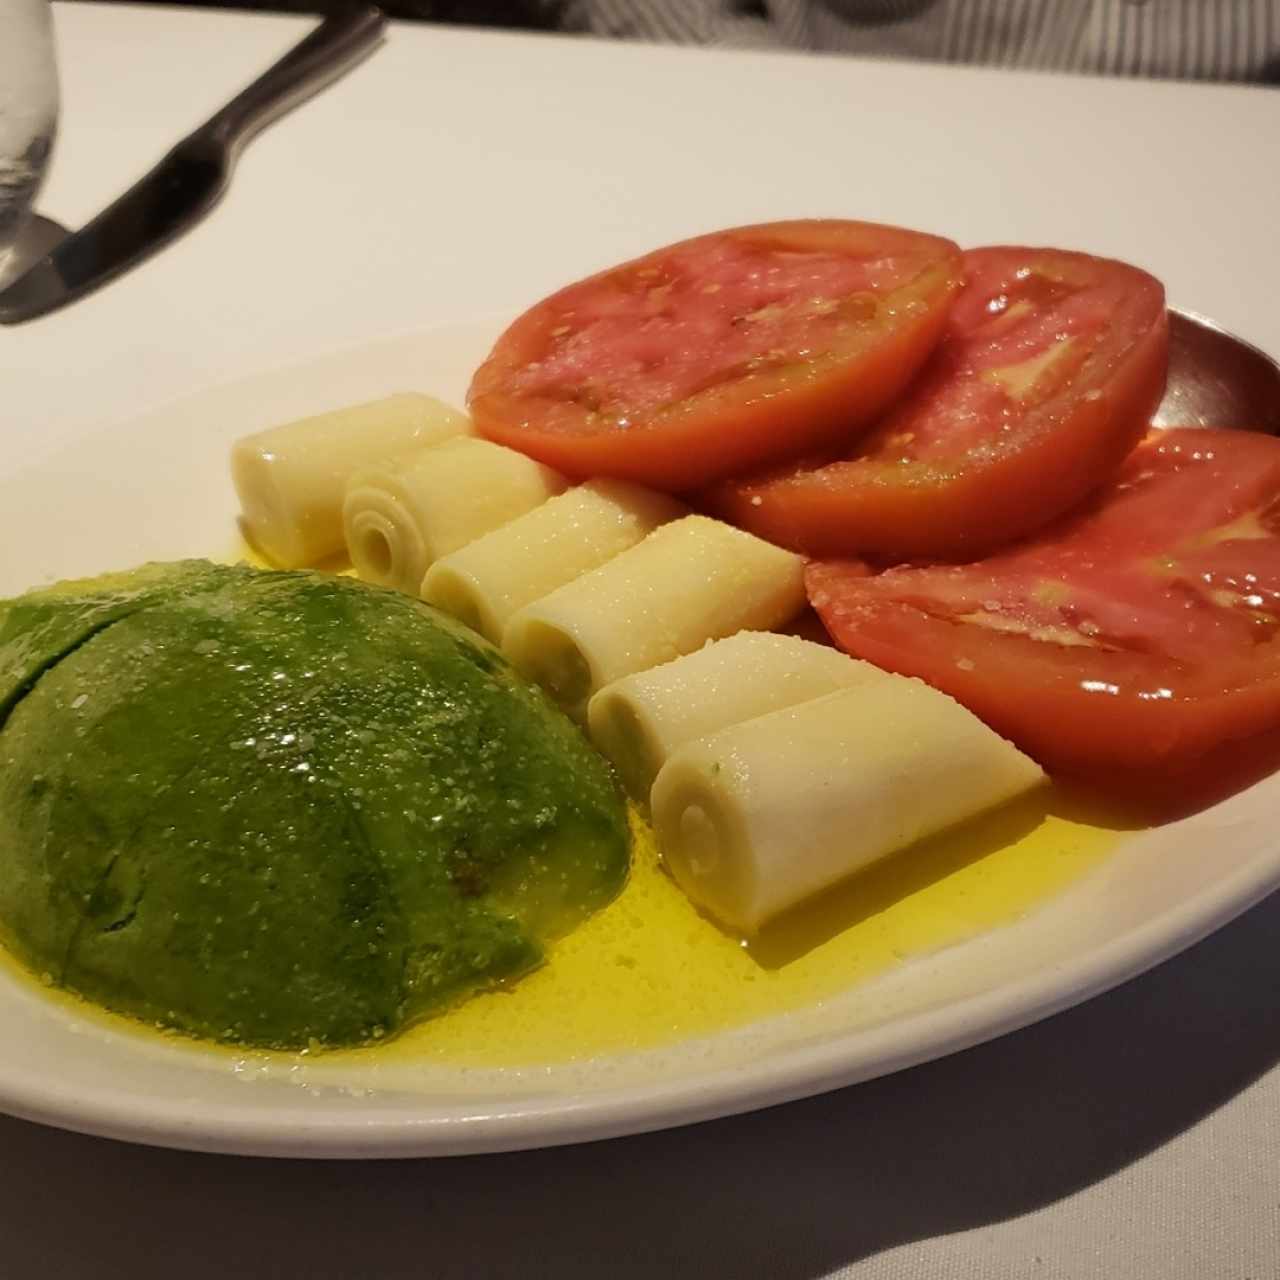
<point x="794" y="1192"/>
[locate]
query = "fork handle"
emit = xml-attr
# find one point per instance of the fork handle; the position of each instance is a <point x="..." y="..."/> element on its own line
<point x="331" y="49"/>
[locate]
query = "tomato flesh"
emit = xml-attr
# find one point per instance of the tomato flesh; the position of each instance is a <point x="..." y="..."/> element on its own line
<point x="1129" y="642"/>
<point x="1050" y="370"/>
<point x="726" y="351"/>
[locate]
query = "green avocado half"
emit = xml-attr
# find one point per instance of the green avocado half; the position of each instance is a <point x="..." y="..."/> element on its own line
<point x="283" y="809"/>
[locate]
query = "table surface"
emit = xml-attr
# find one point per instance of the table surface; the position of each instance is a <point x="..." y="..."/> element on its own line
<point x="1138" y="1135"/>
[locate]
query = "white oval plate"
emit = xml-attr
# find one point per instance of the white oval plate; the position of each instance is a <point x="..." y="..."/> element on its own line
<point x="157" y="488"/>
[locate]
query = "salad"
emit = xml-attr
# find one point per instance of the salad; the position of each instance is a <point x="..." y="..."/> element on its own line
<point x="942" y="455"/>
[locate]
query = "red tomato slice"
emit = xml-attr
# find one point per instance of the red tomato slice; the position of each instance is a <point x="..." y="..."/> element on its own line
<point x="720" y="353"/>
<point x="1127" y="644"/>
<point x="1051" y="368"/>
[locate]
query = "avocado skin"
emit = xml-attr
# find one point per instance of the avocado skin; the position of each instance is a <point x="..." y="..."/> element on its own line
<point x="283" y="809"/>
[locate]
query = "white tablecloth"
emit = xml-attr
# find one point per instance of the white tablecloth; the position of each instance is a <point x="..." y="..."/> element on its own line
<point x="1137" y="1136"/>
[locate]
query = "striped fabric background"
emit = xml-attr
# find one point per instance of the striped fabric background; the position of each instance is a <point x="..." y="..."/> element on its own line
<point x="1189" y="39"/>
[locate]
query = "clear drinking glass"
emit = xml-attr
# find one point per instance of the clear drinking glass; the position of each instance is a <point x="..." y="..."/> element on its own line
<point x="28" y="113"/>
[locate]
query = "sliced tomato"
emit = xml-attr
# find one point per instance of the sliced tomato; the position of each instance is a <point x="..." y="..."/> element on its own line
<point x="1051" y="368"/>
<point x="720" y="353"/>
<point x="1137" y="640"/>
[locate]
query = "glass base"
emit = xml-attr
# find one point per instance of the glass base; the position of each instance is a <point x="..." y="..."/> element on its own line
<point x="35" y="240"/>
